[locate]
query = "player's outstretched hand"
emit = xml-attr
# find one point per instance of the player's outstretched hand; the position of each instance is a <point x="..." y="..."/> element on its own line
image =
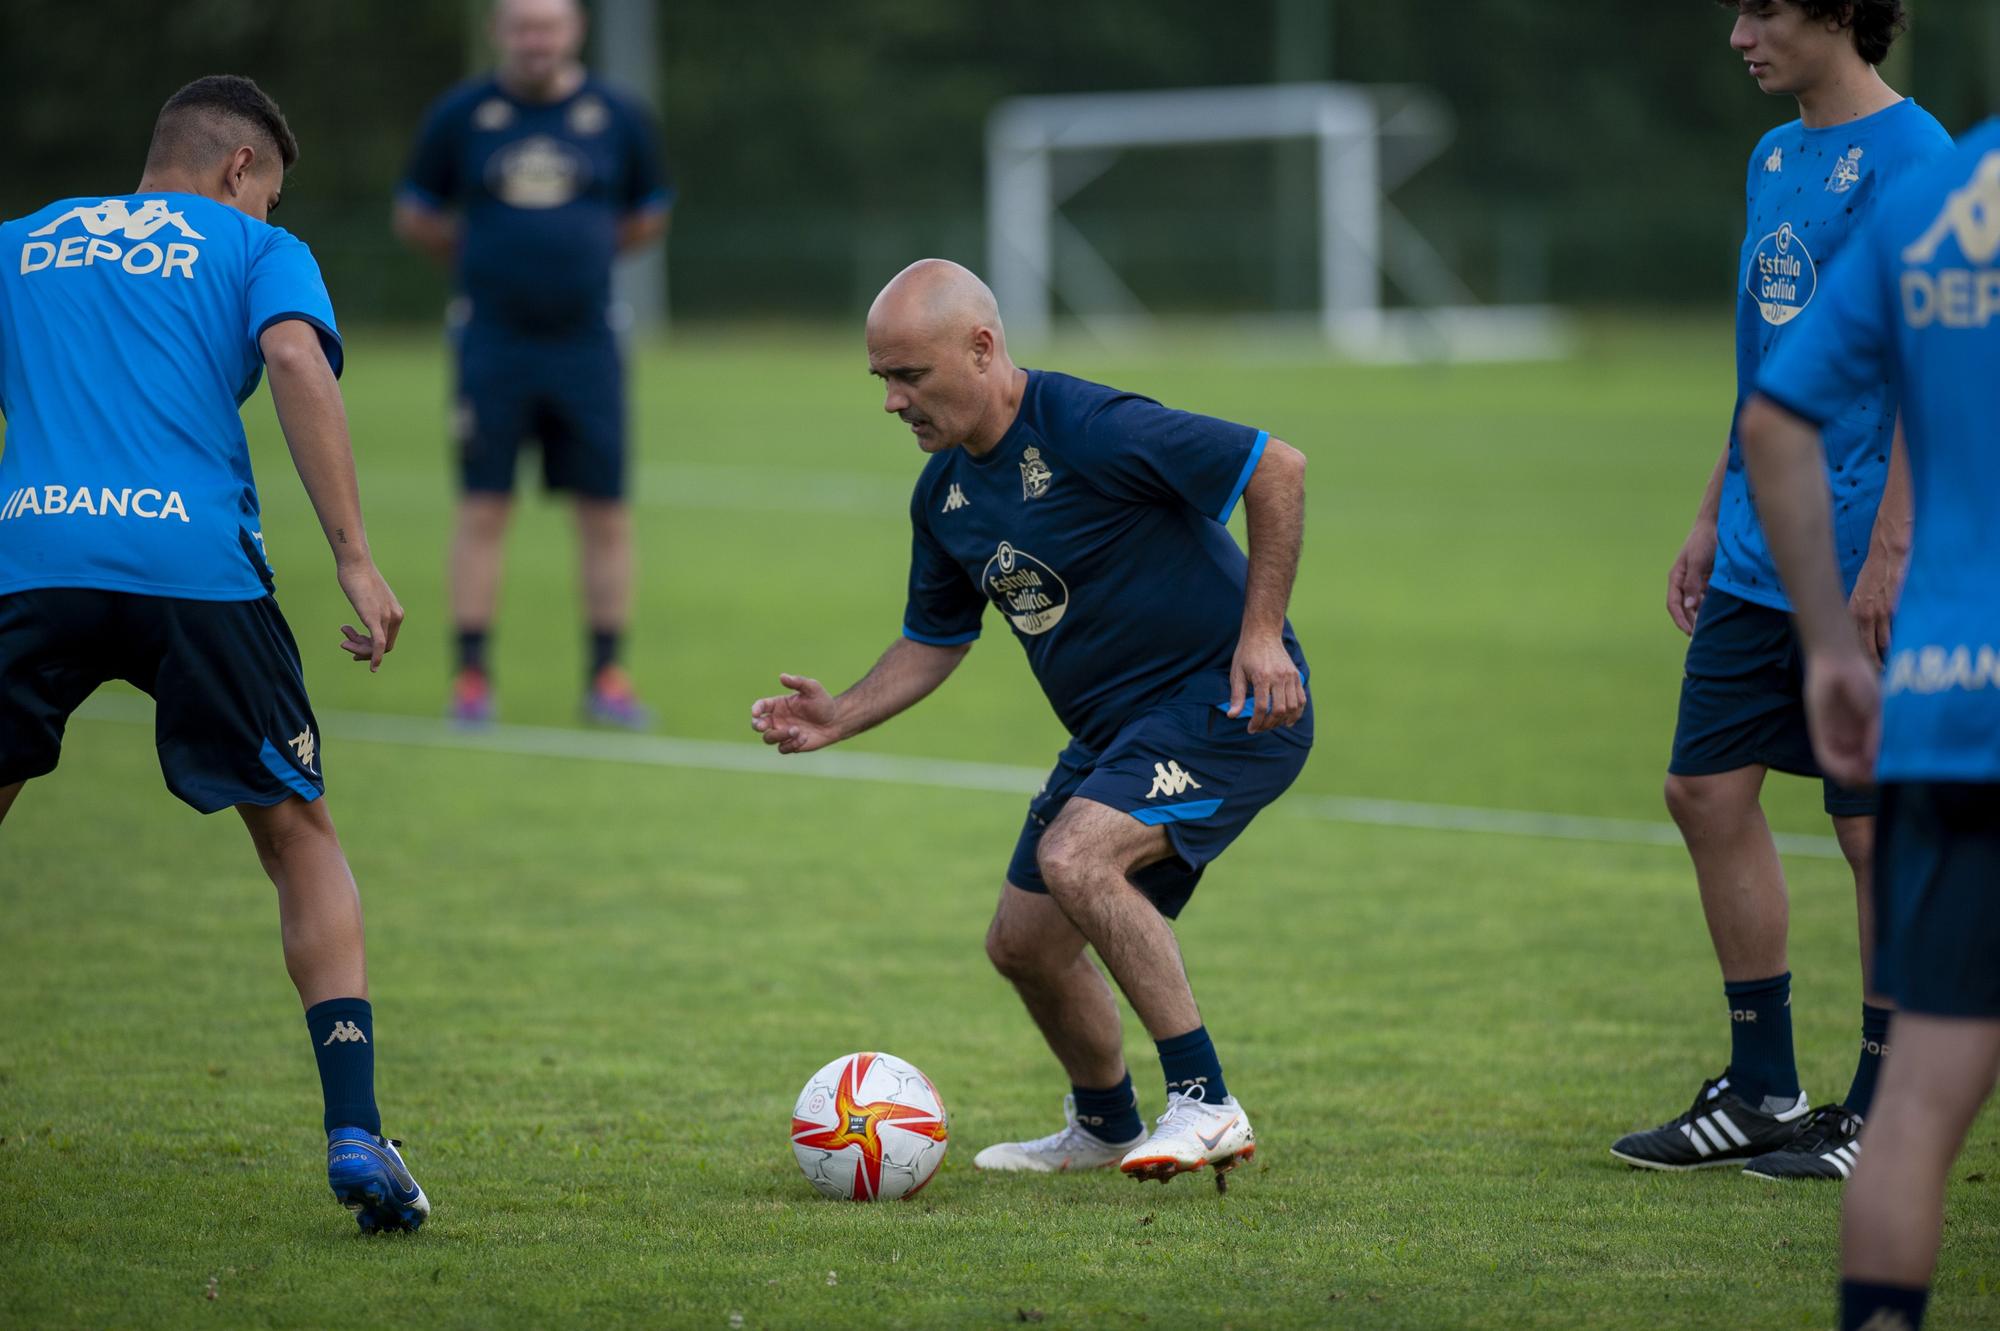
<point x="1264" y="684"/>
<point x="1844" y="711"/>
<point x="380" y="612"/>
<point x="797" y="722"/>
<point x="1687" y="582"/>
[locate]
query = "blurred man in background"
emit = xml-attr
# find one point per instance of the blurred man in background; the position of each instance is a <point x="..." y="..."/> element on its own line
<point x="1810" y="184"/>
<point x="530" y="182"/>
<point x="1918" y="303"/>
<point x="131" y="547"/>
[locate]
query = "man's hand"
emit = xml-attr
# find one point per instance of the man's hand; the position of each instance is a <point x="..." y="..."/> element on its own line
<point x="1264" y="676"/>
<point x="1687" y="582"/>
<point x="380" y="612"/>
<point x="1873" y="604"/>
<point x="1844" y="713"/>
<point x="800" y="721"/>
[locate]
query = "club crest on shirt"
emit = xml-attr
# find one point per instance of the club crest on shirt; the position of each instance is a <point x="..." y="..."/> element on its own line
<point x="588" y="115"/>
<point x="1846" y="172"/>
<point x="1035" y="473"/>
<point x="1027" y="591"/>
<point x="1782" y="276"/>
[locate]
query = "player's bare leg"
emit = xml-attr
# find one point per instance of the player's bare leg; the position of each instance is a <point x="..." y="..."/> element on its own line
<point x="319" y="908"/>
<point x="1857" y="843"/>
<point x="1939" y="1071"/>
<point x="1736" y="864"/>
<point x="7" y="794"/>
<point x="1034" y="945"/>
<point x="478" y="552"/>
<point x="606" y="564"/>
<point x="1087" y="857"/>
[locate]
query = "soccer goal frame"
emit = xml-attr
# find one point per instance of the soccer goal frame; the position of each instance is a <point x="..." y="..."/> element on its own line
<point x="1041" y="150"/>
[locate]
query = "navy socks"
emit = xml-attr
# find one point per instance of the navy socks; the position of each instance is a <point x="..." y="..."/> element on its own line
<point x="1874" y="1048"/>
<point x="1864" y="1306"/>
<point x="343" y="1036"/>
<point x="1189" y="1061"/>
<point x="1760" y="1039"/>
<point x="1109" y="1115"/>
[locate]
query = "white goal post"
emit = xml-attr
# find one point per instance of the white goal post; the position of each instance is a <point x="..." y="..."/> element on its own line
<point x="1041" y="150"/>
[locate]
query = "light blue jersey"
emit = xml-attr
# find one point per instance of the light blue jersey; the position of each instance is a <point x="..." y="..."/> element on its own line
<point x="1918" y="304"/>
<point x="128" y="340"/>
<point x="1807" y="193"/>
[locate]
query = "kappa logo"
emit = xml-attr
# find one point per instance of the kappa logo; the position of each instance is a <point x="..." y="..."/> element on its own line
<point x="343" y="1032"/>
<point x="1781" y="276"/>
<point x="1846" y="172"/>
<point x="1776" y="161"/>
<point x="955" y="500"/>
<point x="114" y="217"/>
<point x="1971" y="216"/>
<point x="1170" y="778"/>
<point x="303" y="745"/>
<point x="1035" y="474"/>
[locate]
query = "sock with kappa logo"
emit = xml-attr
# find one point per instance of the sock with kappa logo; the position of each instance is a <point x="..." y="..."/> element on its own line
<point x="1760" y="1040"/>
<point x="1865" y="1306"/>
<point x="1110" y="1115"/>
<point x="1874" y="1048"/>
<point x="1189" y="1061"/>
<point x="343" y="1036"/>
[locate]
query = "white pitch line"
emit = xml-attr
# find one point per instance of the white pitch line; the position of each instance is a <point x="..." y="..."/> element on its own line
<point x="894" y="769"/>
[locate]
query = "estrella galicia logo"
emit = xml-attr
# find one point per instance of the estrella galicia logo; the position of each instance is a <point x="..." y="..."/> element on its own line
<point x="538" y="172"/>
<point x="1027" y="591"/>
<point x="1782" y="276"/>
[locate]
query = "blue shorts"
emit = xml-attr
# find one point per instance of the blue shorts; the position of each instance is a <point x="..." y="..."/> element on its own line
<point x="231" y="719"/>
<point x="1184" y="766"/>
<point x="1937" y="898"/>
<point x="1743" y="700"/>
<point x="565" y="394"/>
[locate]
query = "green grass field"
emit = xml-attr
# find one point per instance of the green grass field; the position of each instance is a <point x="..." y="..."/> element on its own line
<point x="600" y="984"/>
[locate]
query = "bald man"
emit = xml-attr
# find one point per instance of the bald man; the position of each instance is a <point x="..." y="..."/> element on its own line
<point x="131" y="330"/>
<point x="530" y="182"/>
<point x="1093" y="521"/>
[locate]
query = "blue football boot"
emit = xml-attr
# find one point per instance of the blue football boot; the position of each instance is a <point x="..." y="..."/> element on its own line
<point x="368" y="1177"/>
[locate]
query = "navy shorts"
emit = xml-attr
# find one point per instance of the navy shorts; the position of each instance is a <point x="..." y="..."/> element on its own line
<point x="1937" y="898"/>
<point x="231" y="720"/>
<point x="1184" y="766"/>
<point x="1743" y="700"/>
<point x="565" y="394"/>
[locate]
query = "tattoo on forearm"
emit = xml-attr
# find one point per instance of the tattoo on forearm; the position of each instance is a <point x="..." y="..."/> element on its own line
<point x="340" y="534"/>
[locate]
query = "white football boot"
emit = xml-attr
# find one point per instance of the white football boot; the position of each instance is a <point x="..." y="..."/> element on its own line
<point x="1074" y="1148"/>
<point x="1193" y="1133"/>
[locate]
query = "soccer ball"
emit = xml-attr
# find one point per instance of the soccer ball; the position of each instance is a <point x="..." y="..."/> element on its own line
<point x="869" y="1128"/>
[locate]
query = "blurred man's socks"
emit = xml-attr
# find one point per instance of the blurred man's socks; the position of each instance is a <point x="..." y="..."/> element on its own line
<point x="343" y="1036"/>
<point x="1760" y="1039"/>
<point x="1189" y="1061"/>
<point x="604" y="649"/>
<point x="1874" y="1048"/>
<point x="1109" y="1115"/>
<point x="472" y="649"/>
<point x="1870" y="1307"/>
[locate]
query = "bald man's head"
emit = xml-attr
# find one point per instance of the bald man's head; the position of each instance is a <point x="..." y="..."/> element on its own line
<point x="935" y="341"/>
<point x="539" y="42"/>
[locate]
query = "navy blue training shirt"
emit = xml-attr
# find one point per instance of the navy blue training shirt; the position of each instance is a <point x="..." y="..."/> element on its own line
<point x="1095" y="527"/>
<point x="1919" y="305"/>
<point x="129" y="332"/>
<point x="542" y="188"/>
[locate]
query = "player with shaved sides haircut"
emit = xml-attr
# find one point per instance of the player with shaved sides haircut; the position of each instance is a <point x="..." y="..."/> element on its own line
<point x="132" y="328"/>
<point x="1092" y="520"/>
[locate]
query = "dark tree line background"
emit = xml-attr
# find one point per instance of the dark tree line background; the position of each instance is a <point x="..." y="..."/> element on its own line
<point x="1598" y="160"/>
